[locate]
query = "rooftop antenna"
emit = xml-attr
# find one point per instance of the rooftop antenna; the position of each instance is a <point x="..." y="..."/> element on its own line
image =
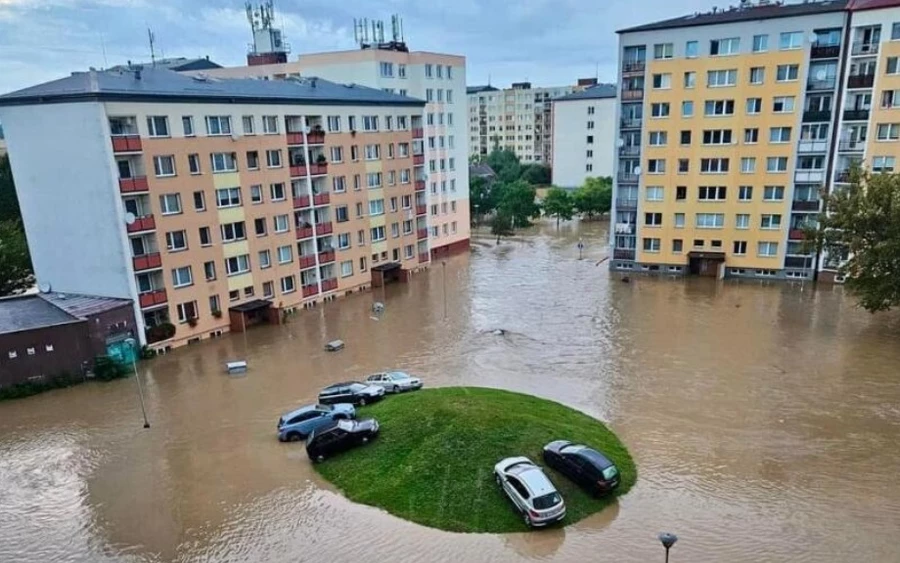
<point x="152" y="38"/>
<point x="103" y="48"/>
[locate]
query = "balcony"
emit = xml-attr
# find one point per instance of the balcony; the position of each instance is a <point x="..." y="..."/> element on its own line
<point x="796" y="234"/>
<point x="325" y="228"/>
<point x="626" y="203"/>
<point x="633" y="94"/>
<point x="826" y="84"/>
<point x="304" y="232"/>
<point x="418" y="159"/>
<point x="418" y="133"/>
<point x="317" y="169"/>
<point x="301" y="201"/>
<point x="153" y="298"/>
<point x="633" y="67"/>
<point x="809" y="176"/>
<point x="631" y="122"/>
<point x="421" y="209"/>
<point x="623" y="254"/>
<point x="805" y="206"/>
<point x="861" y="48"/>
<point x="856" y="115"/>
<point x="322" y="199"/>
<point x="825" y="51"/>
<point x="329" y="284"/>
<point x="630" y="151"/>
<point x="126" y="143"/>
<point x="310" y="290"/>
<point x="423" y="257"/>
<point x="852" y="146"/>
<point x="307" y="261"/>
<point x="133" y="185"/>
<point x="421" y="234"/>
<point x="627" y="178"/>
<point x="147" y="261"/>
<point x="817" y="116"/>
<point x="812" y="146"/>
<point x="860" y="80"/>
<point x="145" y="223"/>
<point x="313" y="138"/>
<point x="798" y="262"/>
<point x="420" y="185"/>
<point x="625" y="228"/>
<point x="326" y="257"/>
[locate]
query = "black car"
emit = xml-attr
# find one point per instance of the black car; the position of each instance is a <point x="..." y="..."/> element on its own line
<point x="588" y="468"/>
<point x="351" y="392"/>
<point x="340" y="436"/>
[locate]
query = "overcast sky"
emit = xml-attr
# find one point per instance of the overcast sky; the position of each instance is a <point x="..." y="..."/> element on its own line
<point x="548" y="42"/>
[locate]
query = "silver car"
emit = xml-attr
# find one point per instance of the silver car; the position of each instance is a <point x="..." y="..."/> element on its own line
<point x="394" y="381"/>
<point x="530" y="490"/>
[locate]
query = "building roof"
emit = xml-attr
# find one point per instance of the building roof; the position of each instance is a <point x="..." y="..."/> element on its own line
<point x="478" y="89"/>
<point x="859" y="5"/>
<point x="600" y="91"/>
<point x="177" y="64"/>
<point x="745" y="13"/>
<point x="30" y="312"/>
<point x="82" y="306"/>
<point x="153" y="84"/>
<point x="481" y="170"/>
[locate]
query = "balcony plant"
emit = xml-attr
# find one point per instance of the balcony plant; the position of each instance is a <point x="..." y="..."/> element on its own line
<point x="321" y="159"/>
<point x="192" y="322"/>
<point x="217" y="313"/>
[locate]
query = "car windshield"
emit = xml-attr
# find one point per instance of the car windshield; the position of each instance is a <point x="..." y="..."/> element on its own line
<point x="610" y="472"/>
<point x="547" y="501"/>
<point x="326" y="408"/>
<point x="397" y="375"/>
<point x="345" y="425"/>
<point x="357" y="387"/>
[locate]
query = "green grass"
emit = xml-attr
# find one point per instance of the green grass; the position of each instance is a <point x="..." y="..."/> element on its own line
<point x="433" y="461"/>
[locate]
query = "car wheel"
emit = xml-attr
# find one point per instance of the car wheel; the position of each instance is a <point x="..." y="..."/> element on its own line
<point x="294" y="437"/>
<point x="365" y="439"/>
<point x="395" y="389"/>
<point x="362" y="401"/>
<point x="497" y="479"/>
<point x="527" y="519"/>
<point x="320" y="458"/>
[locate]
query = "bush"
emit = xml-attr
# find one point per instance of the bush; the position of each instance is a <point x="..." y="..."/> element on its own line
<point x="147" y="352"/>
<point x="162" y="331"/>
<point x="107" y="369"/>
<point x="30" y="388"/>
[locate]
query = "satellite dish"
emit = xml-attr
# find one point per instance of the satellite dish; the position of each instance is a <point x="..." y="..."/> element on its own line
<point x="821" y="74"/>
<point x="637" y="170"/>
<point x="130" y="218"/>
<point x="44" y="287"/>
<point x="620" y="143"/>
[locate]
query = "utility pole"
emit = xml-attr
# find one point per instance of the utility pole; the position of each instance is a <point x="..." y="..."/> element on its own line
<point x="152" y="50"/>
<point x="444" y="285"/>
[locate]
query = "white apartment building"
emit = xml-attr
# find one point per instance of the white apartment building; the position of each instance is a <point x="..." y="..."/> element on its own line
<point x="584" y="126"/>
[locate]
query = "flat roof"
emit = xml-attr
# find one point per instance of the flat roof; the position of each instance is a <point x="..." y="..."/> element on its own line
<point x="30" y="312"/>
<point x="598" y="92"/>
<point x="82" y="306"/>
<point x="161" y="85"/>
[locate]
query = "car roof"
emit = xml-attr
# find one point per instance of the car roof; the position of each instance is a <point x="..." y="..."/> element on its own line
<point x="301" y="410"/>
<point x="341" y="384"/>
<point x="535" y="480"/>
<point x="589" y="454"/>
<point x="397" y="372"/>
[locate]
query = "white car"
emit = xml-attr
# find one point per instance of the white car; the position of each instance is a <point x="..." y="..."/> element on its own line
<point x="394" y="381"/>
<point x="530" y="490"/>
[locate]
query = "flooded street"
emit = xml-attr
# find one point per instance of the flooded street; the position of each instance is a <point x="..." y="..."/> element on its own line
<point x="764" y="419"/>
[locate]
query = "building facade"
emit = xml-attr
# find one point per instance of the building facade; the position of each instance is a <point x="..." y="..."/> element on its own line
<point x="438" y="79"/>
<point x="729" y="132"/>
<point x="583" y="139"/>
<point x="195" y="197"/>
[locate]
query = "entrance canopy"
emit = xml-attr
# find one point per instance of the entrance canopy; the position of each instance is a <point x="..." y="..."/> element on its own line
<point x="250" y="306"/>
<point x="717" y="256"/>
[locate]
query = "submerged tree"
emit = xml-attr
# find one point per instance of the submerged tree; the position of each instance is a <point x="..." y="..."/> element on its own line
<point x="558" y="203"/>
<point x="594" y="197"/>
<point x="517" y="201"/>
<point x="501" y="226"/>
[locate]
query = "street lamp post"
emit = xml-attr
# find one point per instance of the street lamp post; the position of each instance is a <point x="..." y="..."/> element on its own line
<point x="133" y="343"/>
<point x="444" y="285"/>
<point x="668" y="540"/>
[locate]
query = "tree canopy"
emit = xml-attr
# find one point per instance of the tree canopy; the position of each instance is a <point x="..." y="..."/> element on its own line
<point x="505" y="165"/>
<point x="15" y="262"/>
<point x="558" y="203"/>
<point x="517" y="201"/>
<point x="594" y="197"/>
<point x="501" y="226"/>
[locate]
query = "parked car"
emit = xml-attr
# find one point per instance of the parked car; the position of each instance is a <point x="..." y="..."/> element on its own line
<point x="334" y="346"/>
<point x="530" y="491"/>
<point x="298" y="424"/>
<point x="588" y="468"/>
<point x="340" y="436"/>
<point x="394" y="381"/>
<point x="351" y="392"/>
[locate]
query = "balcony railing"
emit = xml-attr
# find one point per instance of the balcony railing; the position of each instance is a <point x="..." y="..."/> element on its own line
<point x="147" y="261"/>
<point x="153" y="298"/>
<point x="636" y="94"/>
<point x="421" y="209"/>
<point x="324" y="228"/>
<point x="623" y="254"/>
<point x="301" y="201"/>
<point x="811" y="116"/>
<point x="423" y="257"/>
<point x="798" y="261"/>
<point x="326" y="256"/>
<point x="805" y="205"/>
<point x="633" y="66"/>
<point x="812" y="146"/>
<point x="629" y="151"/>
<point x="420" y="185"/>
<point x="627" y="178"/>
<point x="856" y="115"/>
<point x="627" y="203"/>
<point x="852" y="146"/>
<point x="809" y="176"/>
<point x="134" y="184"/>
<point x="825" y="52"/>
<point x="310" y="290"/>
<point x="796" y="234"/>
<point x="826" y="84"/>
<point x="145" y="223"/>
<point x="421" y="234"/>
<point x="418" y="133"/>
<point x="126" y="143"/>
<point x="631" y="122"/>
<point x="860" y="80"/>
<point x="418" y="159"/>
<point x="316" y="169"/>
<point x="313" y="138"/>
<point x="860" y="48"/>
<point x="329" y="284"/>
<point x="625" y="228"/>
<point x="304" y="232"/>
<point x="321" y="199"/>
<point x="307" y="261"/>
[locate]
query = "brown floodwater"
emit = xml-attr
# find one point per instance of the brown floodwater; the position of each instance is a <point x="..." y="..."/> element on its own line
<point x="764" y="419"/>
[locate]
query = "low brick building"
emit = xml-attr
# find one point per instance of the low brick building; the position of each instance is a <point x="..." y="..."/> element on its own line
<point x="44" y="336"/>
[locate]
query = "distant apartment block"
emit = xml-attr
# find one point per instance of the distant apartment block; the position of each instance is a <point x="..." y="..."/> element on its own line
<point x="584" y="125"/>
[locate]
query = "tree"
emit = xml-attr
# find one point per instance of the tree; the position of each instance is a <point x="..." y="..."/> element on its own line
<point x="558" y="203"/>
<point x="9" y="203"/>
<point x="516" y="200"/>
<point x="536" y="174"/>
<point x="482" y="197"/>
<point x="501" y="225"/>
<point x="505" y="165"/>
<point x="15" y="263"/>
<point x="594" y="197"/>
<point x="863" y="221"/>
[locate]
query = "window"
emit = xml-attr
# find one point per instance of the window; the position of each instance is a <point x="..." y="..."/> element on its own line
<point x="158" y="126"/>
<point x="253" y="160"/>
<point x="658" y="138"/>
<point x="751" y="136"/>
<point x="662" y="81"/>
<point x="187" y="125"/>
<point x="745" y="193"/>
<point x="713" y="165"/>
<point x="376" y="207"/>
<point x="790" y="40"/>
<point x="429" y="70"/>
<point x="740" y="247"/>
<point x="181" y="277"/>
<point x="373" y="152"/>
<point x="346" y="268"/>
<point x="273" y="158"/>
<point x="685" y="137"/>
<point x="334" y="123"/>
<point x="187" y="311"/>
<point x="814" y="132"/>
<point x="170" y="204"/>
<point x="787" y="73"/>
<point x="659" y="109"/>
<point x="728" y="46"/>
<point x="687" y="109"/>
<point x="339" y="184"/>
<point x="718" y="107"/>
<point x="663" y="51"/>
<point x="656" y="166"/>
<point x="237" y="264"/>
<point x="717" y="137"/>
<point x="337" y="153"/>
<point x="234" y="295"/>
<point x="651" y="244"/>
<point x="767" y="248"/>
<point x="760" y="43"/>
<point x="889" y="99"/>
<point x="680" y="193"/>
<point x="288" y="284"/>
<point x="780" y="135"/>
<point x="883" y="164"/>
<point x="679" y="220"/>
<point x="247" y="123"/>
<point x="265" y="259"/>
<point x="270" y="124"/>
<point x="719" y="78"/>
<point x="773" y="193"/>
<point x="387" y="69"/>
<point x="684" y="165"/>
<point x="377" y="234"/>
<point x="228" y="197"/>
<point x="757" y="75"/>
<point x="888" y="131"/>
<point x="194" y="163"/>
<point x="268" y="290"/>
<point x="233" y="231"/>
<point x="754" y="106"/>
<point x="373" y="180"/>
<point x="205" y="237"/>
<point x="748" y="165"/>
<point x="223" y="161"/>
<point x="176" y="241"/>
<point x="771" y="222"/>
<point x="209" y="270"/>
<point x="285" y="254"/>
<point x="692" y="49"/>
<point x="653" y="219"/>
<point x="742" y="221"/>
<point x="590" y="139"/>
<point x="710" y="220"/>
<point x="281" y="223"/>
<point x="164" y="165"/>
<point x="199" y="201"/>
<point x="259" y="226"/>
<point x="341" y="214"/>
<point x="370" y="123"/>
<point x="654" y="193"/>
<point x="256" y="193"/>
<point x="712" y="193"/>
<point x="277" y="191"/>
<point x="218" y="125"/>
<point x="892" y="66"/>
<point x="776" y="164"/>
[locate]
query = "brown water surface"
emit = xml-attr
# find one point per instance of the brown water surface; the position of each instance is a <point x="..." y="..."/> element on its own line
<point x="765" y="421"/>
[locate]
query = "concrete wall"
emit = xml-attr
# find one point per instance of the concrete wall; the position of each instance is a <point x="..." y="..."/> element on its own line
<point x="570" y="146"/>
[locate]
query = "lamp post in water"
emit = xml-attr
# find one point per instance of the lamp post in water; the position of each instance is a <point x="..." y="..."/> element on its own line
<point x="668" y="540"/>
<point x="134" y="349"/>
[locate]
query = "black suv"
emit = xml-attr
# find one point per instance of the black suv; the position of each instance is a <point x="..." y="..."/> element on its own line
<point x="588" y="468"/>
<point x="351" y="392"/>
<point x="340" y="436"/>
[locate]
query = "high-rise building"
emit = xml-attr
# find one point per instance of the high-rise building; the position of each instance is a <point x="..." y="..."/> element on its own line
<point x="213" y="204"/>
<point x="732" y="122"/>
<point x="583" y="145"/>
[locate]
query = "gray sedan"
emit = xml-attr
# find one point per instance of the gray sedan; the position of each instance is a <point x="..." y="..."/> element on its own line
<point x="394" y="381"/>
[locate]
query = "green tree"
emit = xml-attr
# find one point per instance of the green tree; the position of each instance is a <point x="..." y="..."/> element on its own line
<point x="594" y="197"/>
<point x="536" y="174"/>
<point x="558" y="203"/>
<point x="482" y="199"/>
<point x="505" y="165"/>
<point x="15" y="263"/>
<point x="9" y="203"/>
<point x="862" y="221"/>
<point x="516" y="200"/>
<point x="501" y="225"/>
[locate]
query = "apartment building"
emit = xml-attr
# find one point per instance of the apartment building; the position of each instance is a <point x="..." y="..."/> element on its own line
<point x="210" y="203"/>
<point x="440" y="80"/>
<point x="518" y="118"/>
<point x="728" y="132"/>
<point x="584" y="125"/>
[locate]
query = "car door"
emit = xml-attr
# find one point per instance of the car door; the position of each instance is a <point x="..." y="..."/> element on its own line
<point x="315" y="419"/>
<point x="571" y="467"/>
<point x="338" y="441"/>
<point x="516" y="492"/>
<point x="326" y="397"/>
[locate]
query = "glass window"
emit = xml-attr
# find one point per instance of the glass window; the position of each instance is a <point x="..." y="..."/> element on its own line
<point x="745" y="193"/>
<point x="265" y="259"/>
<point x="767" y="248"/>
<point x="158" y="126"/>
<point x="760" y="43"/>
<point x="687" y="109"/>
<point x="757" y="75"/>
<point x="790" y="40"/>
<point x="228" y="197"/>
<point x="663" y="51"/>
<point x="692" y="49"/>
<point x="182" y="277"/>
<point x="187" y="124"/>
<point x="247" y="122"/>
<point x="742" y="221"/>
<point x="773" y="193"/>
<point x="729" y="46"/>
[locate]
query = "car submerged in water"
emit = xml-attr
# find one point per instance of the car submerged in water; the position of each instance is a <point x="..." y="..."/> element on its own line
<point x="351" y="392"/>
<point x="394" y="381"/>
<point x="300" y="423"/>
<point x="340" y="436"/>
